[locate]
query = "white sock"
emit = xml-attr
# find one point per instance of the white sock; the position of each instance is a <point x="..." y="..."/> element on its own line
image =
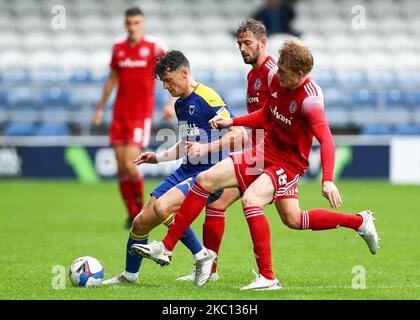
<point x="203" y="253"/>
<point x="131" y="276"/>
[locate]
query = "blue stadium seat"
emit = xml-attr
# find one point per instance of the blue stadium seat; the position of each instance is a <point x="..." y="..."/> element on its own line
<point x="384" y="79"/>
<point x="364" y="116"/>
<point x="352" y="79"/>
<point x="338" y="117"/>
<point x="15" y="76"/>
<point x="46" y="76"/>
<point x="3" y="97"/>
<point x="397" y="115"/>
<point x="410" y="79"/>
<point x="395" y="97"/>
<point x="235" y="98"/>
<point x="407" y="129"/>
<point x="376" y="129"/>
<point x="52" y="129"/>
<point x="325" y="79"/>
<point x="79" y="76"/>
<point x="204" y="77"/>
<point x="335" y="98"/>
<point x="55" y="96"/>
<point x="413" y="99"/>
<point x="19" y="129"/>
<point x="23" y="97"/>
<point x="364" y="98"/>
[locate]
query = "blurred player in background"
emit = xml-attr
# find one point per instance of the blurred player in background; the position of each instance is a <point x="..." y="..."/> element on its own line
<point x="132" y="65"/>
<point x="251" y="37"/>
<point x="196" y="105"/>
<point x="295" y="113"/>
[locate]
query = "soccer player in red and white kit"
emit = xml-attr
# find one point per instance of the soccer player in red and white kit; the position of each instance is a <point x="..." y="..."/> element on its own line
<point x="251" y="36"/>
<point x="132" y="65"/>
<point x="295" y="113"/>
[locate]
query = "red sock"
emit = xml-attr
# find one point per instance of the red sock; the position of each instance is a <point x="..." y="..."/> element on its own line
<point x="137" y="187"/>
<point x="322" y="219"/>
<point x="213" y="229"/>
<point x="260" y="234"/>
<point x="189" y="211"/>
<point x="127" y="195"/>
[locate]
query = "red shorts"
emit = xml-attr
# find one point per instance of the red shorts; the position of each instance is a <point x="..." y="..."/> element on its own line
<point x="284" y="179"/>
<point x="131" y="132"/>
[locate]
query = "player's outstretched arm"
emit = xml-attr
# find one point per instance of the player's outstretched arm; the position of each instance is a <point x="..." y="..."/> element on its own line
<point x="313" y="110"/>
<point x="257" y="119"/>
<point x="108" y="87"/>
<point x="172" y="153"/>
<point x="234" y="139"/>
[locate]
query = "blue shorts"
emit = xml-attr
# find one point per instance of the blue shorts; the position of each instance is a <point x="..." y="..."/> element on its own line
<point x="183" y="179"/>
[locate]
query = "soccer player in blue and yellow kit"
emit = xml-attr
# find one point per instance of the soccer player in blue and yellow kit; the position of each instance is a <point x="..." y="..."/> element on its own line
<point x="204" y="147"/>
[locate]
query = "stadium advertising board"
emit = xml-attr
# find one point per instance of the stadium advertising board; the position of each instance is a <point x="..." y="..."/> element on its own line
<point x="95" y="163"/>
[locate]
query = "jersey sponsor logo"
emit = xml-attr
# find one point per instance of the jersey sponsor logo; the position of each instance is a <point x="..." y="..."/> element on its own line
<point x="292" y="106"/>
<point x="253" y="99"/>
<point x="279" y="116"/>
<point x="128" y="63"/>
<point x="144" y="52"/>
<point x="191" y="109"/>
<point x="189" y="130"/>
<point x="257" y="84"/>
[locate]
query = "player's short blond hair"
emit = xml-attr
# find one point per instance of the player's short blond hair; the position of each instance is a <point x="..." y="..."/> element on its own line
<point x="296" y="55"/>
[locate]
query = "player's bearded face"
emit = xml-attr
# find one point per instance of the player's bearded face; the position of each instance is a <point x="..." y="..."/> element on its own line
<point x="249" y="47"/>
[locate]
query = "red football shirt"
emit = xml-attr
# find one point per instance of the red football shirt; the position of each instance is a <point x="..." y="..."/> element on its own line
<point x="258" y="90"/>
<point x="135" y="66"/>
<point x="294" y="116"/>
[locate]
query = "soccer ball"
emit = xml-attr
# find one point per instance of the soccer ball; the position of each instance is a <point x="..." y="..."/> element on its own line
<point x="86" y="272"/>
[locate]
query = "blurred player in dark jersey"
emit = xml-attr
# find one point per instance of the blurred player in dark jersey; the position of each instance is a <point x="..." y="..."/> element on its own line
<point x="132" y="64"/>
<point x="270" y="171"/>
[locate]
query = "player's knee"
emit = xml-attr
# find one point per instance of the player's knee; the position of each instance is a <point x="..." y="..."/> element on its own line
<point x="205" y="181"/>
<point x="139" y="227"/>
<point x="292" y="220"/>
<point x="161" y="209"/>
<point x="249" y="200"/>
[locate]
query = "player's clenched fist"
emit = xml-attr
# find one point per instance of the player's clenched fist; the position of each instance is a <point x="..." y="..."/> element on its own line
<point x="196" y="149"/>
<point x="330" y="191"/>
<point x="146" y="157"/>
<point x="220" y="122"/>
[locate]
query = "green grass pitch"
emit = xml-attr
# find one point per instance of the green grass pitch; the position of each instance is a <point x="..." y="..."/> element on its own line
<point x="44" y="224"/>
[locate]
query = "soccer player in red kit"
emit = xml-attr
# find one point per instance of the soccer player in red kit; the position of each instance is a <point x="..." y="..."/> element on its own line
<point x="132" y="65"/>
<point x="251" y="36"/>
<point x="295" y="113"/>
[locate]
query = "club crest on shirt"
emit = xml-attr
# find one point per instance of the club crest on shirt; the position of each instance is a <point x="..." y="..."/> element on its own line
<point x="121" y="53"/>
<point x="292" y="106"/>
<point x="191" y="109"/>
<point x="257" y="84"/>
<point x="144" y="51"/>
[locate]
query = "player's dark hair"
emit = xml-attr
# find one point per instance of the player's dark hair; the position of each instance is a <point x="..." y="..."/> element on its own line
<point x="134" y="11"/>
<point x="171" y="61"/>
<point x="257" y="28"/>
